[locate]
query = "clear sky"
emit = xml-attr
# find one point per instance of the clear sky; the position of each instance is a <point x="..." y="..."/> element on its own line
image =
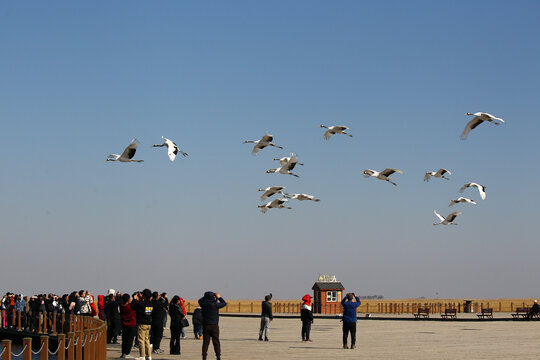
<point x="79" y="80"/>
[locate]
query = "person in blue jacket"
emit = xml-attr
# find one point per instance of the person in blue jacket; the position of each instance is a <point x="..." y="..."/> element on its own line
<point x="349" y="318"/>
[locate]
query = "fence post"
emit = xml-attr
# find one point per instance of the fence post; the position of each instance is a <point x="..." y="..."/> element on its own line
<point x="27" y="346"/>
<point x="44" y="353"/>
<point x="71" y="346"/>
<point x="19" y="321"/>
<point x="78" y="348"/>
<point x="61" y="352"/>
<point x="6" y="348"/>
<point x="91" y="344"/>
<point x="86" y="344"/>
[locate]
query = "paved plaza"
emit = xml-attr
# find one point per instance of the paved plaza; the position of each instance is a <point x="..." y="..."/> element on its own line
<point x="376" y="339"/>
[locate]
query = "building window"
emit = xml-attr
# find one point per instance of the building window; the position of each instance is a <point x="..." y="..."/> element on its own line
<point x="331" y="296"/>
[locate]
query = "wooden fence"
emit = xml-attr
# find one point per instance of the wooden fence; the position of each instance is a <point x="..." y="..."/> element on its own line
<point x="78" y="337"/>
<point x="376" y="306"/>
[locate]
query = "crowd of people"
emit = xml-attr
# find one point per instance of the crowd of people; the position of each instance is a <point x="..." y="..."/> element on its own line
<point x="44" y="307"/>
<point x="141" y="317"/>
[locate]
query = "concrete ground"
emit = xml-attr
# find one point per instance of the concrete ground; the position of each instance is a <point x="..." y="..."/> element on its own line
<point x="376" y="339"/>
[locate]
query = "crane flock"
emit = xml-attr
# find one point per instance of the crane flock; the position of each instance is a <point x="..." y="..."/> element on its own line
<point x="288" y="163"/>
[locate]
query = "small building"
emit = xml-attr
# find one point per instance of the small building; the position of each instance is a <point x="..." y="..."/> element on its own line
<point x="327" y="295"/>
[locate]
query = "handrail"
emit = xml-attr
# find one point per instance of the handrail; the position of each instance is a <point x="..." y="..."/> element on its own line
<point x="88" y="333"/>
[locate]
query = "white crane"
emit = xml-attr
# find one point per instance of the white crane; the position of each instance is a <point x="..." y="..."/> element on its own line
<point x="461" y="199"/>
<point x="301" y="197"/>
<point x="287" y="167"/>
<point x="274" y="204"/>
<point x="265" y="141"/>
<point x="172" y="148"/>
<point x="449" y="219"/>
<point x="438" y="174"/>
<point x="338" y="129"/>
<point x="479" y="117"/>
<point x="481" y="189"/>
<point x="271" y="190"/>
<point x="383" y="175"/>
<point x="127" y="155"/>
<point x="285" y="160"/>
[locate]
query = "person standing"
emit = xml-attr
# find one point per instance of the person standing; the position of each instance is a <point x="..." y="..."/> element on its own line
<point x="176" y="314"/>
<point x="349" y="318"/>
<point x="129" y="326"/>
<point x="156" y="330"/>
<point x="210" y="304"/>
<point x="196" y="319"/>
<point x="85" y="298"/>
<point x="266" y="317"/>
<point x="306" y="315"/>
<point x="143" y="307"/>
<point x="182" y="304"/>
<point x="113" y="319"/>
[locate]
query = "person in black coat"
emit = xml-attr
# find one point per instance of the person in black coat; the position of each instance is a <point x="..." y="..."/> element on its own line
<point x="306" y="315"/>
<point x="156" y="331"/>
<point x="177" y="315"/>
<point x="266" y="317"/>
<point x="113" y="319"/>
<point x="210" y="304"/>
<point x="197" y="323"/>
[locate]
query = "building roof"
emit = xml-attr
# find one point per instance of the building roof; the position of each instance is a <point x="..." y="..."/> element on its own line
<point x="334" y="285"/>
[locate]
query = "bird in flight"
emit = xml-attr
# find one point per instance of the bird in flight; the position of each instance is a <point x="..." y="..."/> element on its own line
<point x="439" y="174"/>
<point x="271" y="190"/>
<point x="461" y="199"/>
<point x="481" y="189"/>
<point x="274" y="204"/>
<point x="127" y="155"/>
<point x="479" y="117"/>
<point x="287" y="167"/>
<point x="301" y="197"/>
<point x="448" y="220"/>
<point x="383" y="175"/>
<point x="265" y="141"/>
<point x="331" y="130"/>
<point x="172" y="148"/>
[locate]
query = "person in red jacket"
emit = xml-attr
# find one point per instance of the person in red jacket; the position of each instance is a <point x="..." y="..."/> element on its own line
<point x="182" y="305"/>
<point x="129" y="326"/>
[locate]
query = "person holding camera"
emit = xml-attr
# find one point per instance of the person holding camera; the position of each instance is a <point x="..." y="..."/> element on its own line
<point x="349" y="318"/>
<point x="210" y="304"/>
<point x="266" y="317"/>
<point x="142" y="304"/>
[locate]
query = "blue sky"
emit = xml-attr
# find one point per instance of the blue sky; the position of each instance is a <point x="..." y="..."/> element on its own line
<point x="79" y="81"/>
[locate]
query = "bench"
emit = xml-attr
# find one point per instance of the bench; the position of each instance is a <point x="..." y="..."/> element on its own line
<point x="449" y="313"/>
<point x="422" y="312"/>
<point x="521" y="313"/>
<point x="486" y="314"/>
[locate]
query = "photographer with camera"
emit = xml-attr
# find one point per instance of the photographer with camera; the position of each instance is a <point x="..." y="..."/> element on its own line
<point x="349" y="318"/>
<point x="210" y="304"/>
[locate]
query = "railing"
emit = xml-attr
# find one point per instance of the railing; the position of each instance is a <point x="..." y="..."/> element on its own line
<point x="374" y="306"/>
<point x="78" y="336"/>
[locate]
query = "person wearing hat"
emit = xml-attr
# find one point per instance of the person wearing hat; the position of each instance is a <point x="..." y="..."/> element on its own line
<point x="349" y="318"/>
<point x="306" y="315"/>
<point x="266" y="317"/>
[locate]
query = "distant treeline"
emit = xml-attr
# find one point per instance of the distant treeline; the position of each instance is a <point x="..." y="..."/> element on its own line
<point x="372" y="297"/>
